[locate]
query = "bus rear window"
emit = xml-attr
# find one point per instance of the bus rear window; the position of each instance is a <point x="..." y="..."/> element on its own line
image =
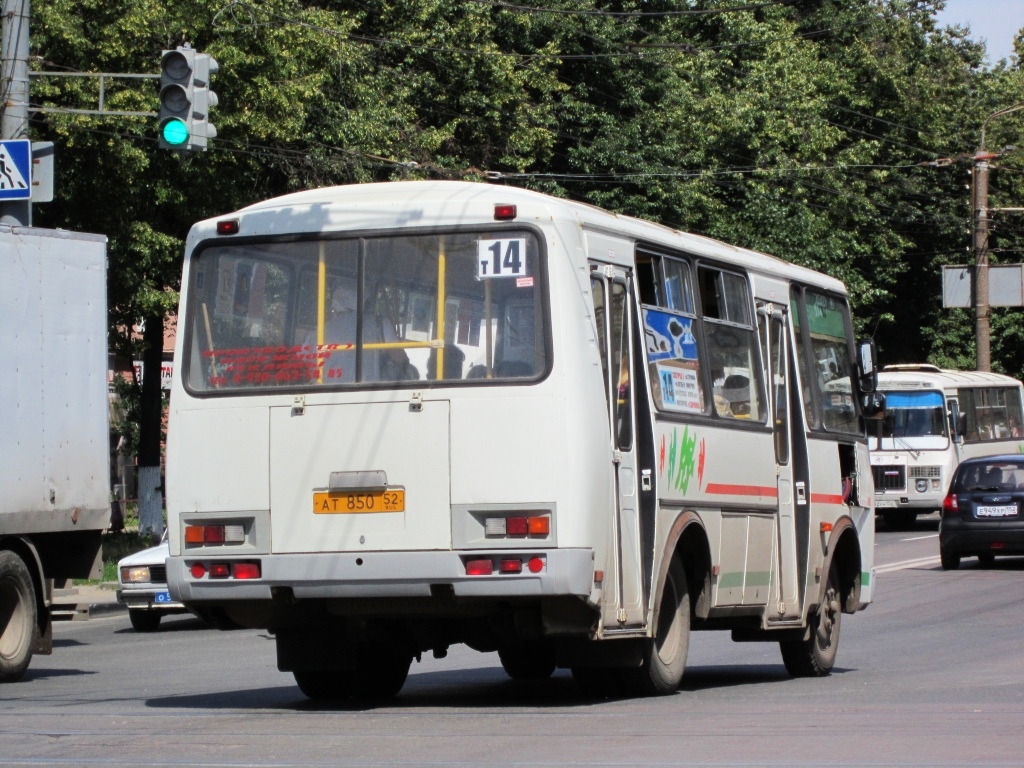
<point x="383" y="310"/>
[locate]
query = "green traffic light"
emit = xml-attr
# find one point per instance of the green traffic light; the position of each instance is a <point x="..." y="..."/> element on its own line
<point x="175" y="132"/>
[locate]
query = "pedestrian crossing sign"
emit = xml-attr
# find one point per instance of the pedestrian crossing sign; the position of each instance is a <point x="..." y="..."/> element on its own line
<point x="15" y="169"/>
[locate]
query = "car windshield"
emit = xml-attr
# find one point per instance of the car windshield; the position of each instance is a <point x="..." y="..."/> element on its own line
<point x="993" y="476"/>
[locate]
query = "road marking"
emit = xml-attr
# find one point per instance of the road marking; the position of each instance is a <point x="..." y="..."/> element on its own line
<point x="905" y="564"/>
<point x="919" y="538"/>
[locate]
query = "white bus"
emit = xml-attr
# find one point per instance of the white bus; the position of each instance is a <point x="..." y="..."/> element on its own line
<point x="411" y="415"/>
<point x="934" y="419"/>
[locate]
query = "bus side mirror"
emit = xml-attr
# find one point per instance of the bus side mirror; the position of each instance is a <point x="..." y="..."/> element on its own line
<point x="873" y="405"/>
<point x="957" y="426"/>
<point x="867" y="366"/>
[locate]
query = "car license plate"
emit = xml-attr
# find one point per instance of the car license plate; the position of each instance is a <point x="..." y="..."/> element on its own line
<point x="358" y="502"/>
<point x="1005" y="510"/>
<point x="163" y="597"/>
<point x="885" y="503"/>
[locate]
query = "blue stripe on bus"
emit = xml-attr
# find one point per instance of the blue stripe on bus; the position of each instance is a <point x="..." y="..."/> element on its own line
<point x="913" y="400"/>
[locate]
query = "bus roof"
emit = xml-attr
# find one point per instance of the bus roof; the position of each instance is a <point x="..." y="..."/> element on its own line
<point x="388" y="205"/>
<point x="926" y="376"/>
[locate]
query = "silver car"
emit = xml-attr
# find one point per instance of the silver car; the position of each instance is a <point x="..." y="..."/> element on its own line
<point x="142" y="582"/>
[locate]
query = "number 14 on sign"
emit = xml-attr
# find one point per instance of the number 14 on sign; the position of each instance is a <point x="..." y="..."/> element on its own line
<point x="501" y="258"/>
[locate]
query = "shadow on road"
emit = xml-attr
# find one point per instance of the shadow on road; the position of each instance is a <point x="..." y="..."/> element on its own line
<point x="478" y="688"/>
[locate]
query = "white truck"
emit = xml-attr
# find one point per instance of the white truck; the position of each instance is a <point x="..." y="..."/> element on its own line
<point x="54" y="439"/>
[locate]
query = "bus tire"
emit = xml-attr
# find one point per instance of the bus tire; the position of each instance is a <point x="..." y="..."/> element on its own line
<point x="816" y="655"/>
<point x="144" y="621"/>
<point x="18" y="626"/>
<point x="527" y="662"/>
<point x="379" y="676"/>
<point x="664" y="654"/>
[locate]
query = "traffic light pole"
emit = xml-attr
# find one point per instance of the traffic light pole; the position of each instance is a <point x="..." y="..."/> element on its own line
<point x="14" y="80"/>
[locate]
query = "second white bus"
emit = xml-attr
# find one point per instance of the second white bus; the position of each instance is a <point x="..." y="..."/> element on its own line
<point x="934" y="419"/>
<point x="416" y="414"/>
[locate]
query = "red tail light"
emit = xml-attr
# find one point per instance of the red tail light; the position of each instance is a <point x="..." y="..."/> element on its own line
<point x="949" y="505"/>
<point x="479" y="568"/>
<point x="247" y="570"/>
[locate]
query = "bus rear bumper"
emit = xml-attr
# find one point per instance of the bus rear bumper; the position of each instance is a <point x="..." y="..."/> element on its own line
<point x="385" y="574"/>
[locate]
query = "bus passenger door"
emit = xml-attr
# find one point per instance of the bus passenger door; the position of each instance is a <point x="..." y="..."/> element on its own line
<point x="792" y="484"/>
<point x="614" y="315"/>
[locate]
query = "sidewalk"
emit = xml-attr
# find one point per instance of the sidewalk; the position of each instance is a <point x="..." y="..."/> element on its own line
<point x="81" y="601"/>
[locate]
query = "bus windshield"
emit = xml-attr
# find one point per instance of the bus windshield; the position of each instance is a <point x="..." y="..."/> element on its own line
<point x="917" y="418"/>
<point x="372" y="310"/>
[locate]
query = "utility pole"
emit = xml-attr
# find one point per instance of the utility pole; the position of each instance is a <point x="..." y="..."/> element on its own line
<point x="983" y="312"/>
<point x="982" y="329"/>
<point x="14" y="81"/>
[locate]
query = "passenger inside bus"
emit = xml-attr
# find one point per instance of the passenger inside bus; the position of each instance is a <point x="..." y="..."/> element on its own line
<point x="736" y="390"/>
<point x="340" y="330"/>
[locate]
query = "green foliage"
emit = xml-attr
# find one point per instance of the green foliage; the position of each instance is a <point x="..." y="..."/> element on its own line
<point x="801" y="129"/>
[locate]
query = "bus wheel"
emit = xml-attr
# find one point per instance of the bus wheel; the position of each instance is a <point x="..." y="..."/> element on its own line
<point x="17" y="617"/>
<point x="379" y="676"/>
<point x="527" y="662"/>
<point x="815" y="656"/>
<point x="664" y="655"/>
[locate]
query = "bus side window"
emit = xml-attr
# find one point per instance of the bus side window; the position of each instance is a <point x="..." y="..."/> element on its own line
<point x="731" y="343"/>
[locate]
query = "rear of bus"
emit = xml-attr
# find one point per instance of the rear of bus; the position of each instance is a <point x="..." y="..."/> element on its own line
<point x="367" y="440"/>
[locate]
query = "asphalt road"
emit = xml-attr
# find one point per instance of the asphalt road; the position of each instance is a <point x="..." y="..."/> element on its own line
<point x="931" y="674"/>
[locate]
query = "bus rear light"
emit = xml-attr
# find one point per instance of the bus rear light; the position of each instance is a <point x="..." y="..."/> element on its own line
<point x="479" y="567"/>
<point x="227" y="227"/>
<point x="536" y="564"/>
<point x="214" y="534"/>
<point x="511" y="566"/>
<point x="518" y="525"/>
<point x="504" y="212"/>
<point x="220" y="570"/>
<point x="247" y="570"/>
<point x="198" y="570"/>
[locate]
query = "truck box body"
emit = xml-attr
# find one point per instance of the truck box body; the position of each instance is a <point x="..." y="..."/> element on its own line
<point x="54" y="442"/>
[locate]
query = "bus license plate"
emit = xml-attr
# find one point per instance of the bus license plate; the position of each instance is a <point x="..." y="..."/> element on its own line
<point x="1001" y="511"/>
<point x="358" y="502"/>
<point x="885" y="503"/>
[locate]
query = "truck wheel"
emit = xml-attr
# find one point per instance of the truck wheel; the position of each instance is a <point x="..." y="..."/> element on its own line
<point x="17" y="617"/>
<point x="664" y="655"/>
<point x="815" y="656"/>
<point x="527" y="662"/>
<point x="144" y="621"/>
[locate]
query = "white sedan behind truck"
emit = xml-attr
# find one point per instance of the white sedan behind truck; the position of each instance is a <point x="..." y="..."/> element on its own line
<point x="142" y="587"/>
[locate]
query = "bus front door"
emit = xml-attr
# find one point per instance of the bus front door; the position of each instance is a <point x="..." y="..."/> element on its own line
<point x="792" y="482"/>
<point x="614" y="316"/>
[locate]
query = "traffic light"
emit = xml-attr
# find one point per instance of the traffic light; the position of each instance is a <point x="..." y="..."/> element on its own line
<point x="202" y="128"/>
<point x="185" y="99"/>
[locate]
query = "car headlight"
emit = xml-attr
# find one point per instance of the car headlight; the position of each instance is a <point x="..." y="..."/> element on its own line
<point x="922" y="485"/>
<point x="134" y="574"/>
